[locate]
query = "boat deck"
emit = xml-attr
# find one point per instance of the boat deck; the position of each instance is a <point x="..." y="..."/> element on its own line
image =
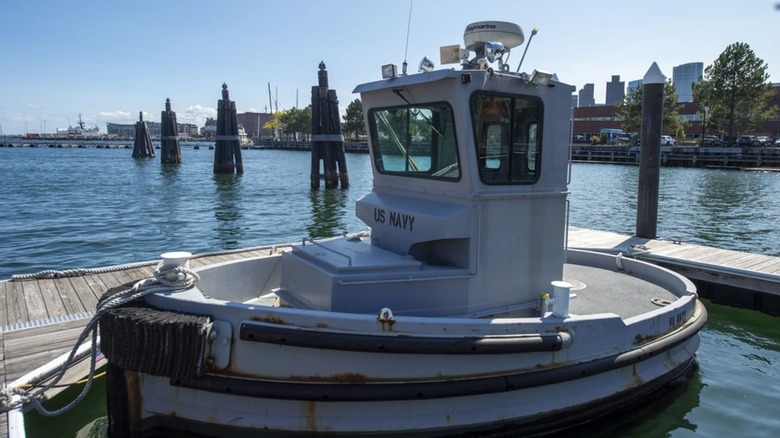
<point x="41" y="319"/>
<point x="605" y="291"/>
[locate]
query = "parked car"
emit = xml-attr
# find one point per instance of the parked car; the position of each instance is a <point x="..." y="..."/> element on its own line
<point x="667" y="140"/>
<point x="777" y="142"/>
<point x="712" y="140"/>
<point x="763" y="140"/>
<point x="746" y="140"/>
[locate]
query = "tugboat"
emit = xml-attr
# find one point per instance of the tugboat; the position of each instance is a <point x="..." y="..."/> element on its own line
<point x="455" y="314"/>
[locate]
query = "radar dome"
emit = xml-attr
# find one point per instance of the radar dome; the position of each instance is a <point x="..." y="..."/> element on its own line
<point x="479" y="33"/>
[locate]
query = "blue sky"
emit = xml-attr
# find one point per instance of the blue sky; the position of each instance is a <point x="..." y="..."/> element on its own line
<point x="107" y="60"/>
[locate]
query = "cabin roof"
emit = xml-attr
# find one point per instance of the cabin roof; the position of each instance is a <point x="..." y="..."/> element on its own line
<point x="412" y="79"/>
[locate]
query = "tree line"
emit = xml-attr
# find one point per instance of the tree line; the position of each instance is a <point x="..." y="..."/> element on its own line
<point x="295" y="124"/>
<point x="735" y="88"/>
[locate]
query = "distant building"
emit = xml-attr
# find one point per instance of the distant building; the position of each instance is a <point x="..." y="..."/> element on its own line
<point x="253" y="124"/>
<point x="128" y="130"/>
<point x="683" y="78"/>
<point x="616" y="91"/>
<point x="632" y="85"/>
<point x="588" y="122"/>
<point x="185" y="130"/>
<point x="586" y="98"/>
<point x="573" y="100"/>
<point x="209" y="130"/>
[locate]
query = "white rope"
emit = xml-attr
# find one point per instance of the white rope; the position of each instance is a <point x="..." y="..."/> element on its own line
<point x="170" y="278"/>
<point x="51" y="273"/>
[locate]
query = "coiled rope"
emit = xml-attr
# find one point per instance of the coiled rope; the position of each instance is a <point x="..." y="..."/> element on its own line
<point x="166" y="279"/>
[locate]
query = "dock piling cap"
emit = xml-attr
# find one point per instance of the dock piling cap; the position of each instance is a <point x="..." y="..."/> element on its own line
<point x="654" y="75"/>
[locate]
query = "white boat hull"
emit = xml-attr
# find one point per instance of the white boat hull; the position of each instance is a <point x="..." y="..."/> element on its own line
<point x="536" y="409"/>
<point x="301" y="371"/>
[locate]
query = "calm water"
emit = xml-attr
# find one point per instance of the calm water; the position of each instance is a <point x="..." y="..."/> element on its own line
<point x="69" y="208"/>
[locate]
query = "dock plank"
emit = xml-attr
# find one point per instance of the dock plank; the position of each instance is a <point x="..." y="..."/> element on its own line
<point x="17" y="307"/>
<point x="51" y="297"/>
<point x="129" y="276"/>
<point x="69" y="295"/>
<point x="109" y="280"/>
<point x="36" y="307"/>
<point x="38" y="345"/>
<point x="96" y="285"/>
<point x="4" y="303"/>
<point x="756" y="263"/>
<point x="84" y="293"/>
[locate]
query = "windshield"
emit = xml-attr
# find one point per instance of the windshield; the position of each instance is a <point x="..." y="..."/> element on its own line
<point x="417" y="141"/>
<point x="508" y="137"/>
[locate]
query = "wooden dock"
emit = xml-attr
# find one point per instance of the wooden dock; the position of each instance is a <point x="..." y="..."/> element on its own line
<point x="683" y="156"/>
<point x="40" y="319"/>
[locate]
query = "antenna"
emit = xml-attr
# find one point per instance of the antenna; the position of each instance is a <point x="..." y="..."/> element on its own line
<point x="533" y="32"/>
<point x="408" y="28"/>
<point x="270" y="99"/>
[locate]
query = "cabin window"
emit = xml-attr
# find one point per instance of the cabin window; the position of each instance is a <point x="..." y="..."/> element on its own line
<point x="417" y="141"/>
<point x="508" y="137"/>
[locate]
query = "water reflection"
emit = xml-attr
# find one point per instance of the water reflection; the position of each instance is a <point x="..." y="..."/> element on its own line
<point x="726" y="209"/>
<point x="727" y="198"/>
<point x="168" y="197"/>
<point x="327" y="213"/>
<point x="656" y="415"/>
<point x="227" y="211"/>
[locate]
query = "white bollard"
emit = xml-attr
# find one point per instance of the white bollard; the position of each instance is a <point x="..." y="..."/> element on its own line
<point x="561" y="295"/>
<point x="176" y="258"/>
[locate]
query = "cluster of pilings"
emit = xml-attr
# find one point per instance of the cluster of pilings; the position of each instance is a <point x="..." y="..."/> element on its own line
<point x="142" y="146"/>
<point x="327" y="141"/>
<point x="170" y="149"/>
<point x="227" y="150"/>
<point x="169" y="140"/>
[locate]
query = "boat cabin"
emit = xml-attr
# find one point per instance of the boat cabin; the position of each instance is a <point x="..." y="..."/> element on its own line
<point x="468" y="211"/>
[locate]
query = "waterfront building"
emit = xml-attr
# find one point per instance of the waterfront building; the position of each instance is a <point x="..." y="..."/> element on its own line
<point x="122" y="130"/>
<point x="683" y="78"/>
<point x="586" y="98"/>
<point x="253" y="124"/>
<point x="616" y="91"/>
<point x="589" y="121"/>
<point x="209" y="130"/>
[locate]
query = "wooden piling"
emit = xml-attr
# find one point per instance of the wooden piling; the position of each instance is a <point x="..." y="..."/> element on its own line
<point x="142" y="143"/>
<point x="170" y="149"/>
<point x="327" y="141"/>
<point x="650" y="153"/>
<point x="227" y="149"/>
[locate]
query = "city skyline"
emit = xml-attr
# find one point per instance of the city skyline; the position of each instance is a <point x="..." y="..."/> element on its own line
<point x="108" y="61"/>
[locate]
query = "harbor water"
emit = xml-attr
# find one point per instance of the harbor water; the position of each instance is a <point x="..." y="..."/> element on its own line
<point x="82" y="208"/>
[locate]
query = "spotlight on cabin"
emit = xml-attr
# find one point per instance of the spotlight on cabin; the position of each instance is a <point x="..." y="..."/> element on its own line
<point x="494" y="51"/>
<point x="541" y="77"/>
<point x="426" y="65"/>
<point x="389" y="71"/>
